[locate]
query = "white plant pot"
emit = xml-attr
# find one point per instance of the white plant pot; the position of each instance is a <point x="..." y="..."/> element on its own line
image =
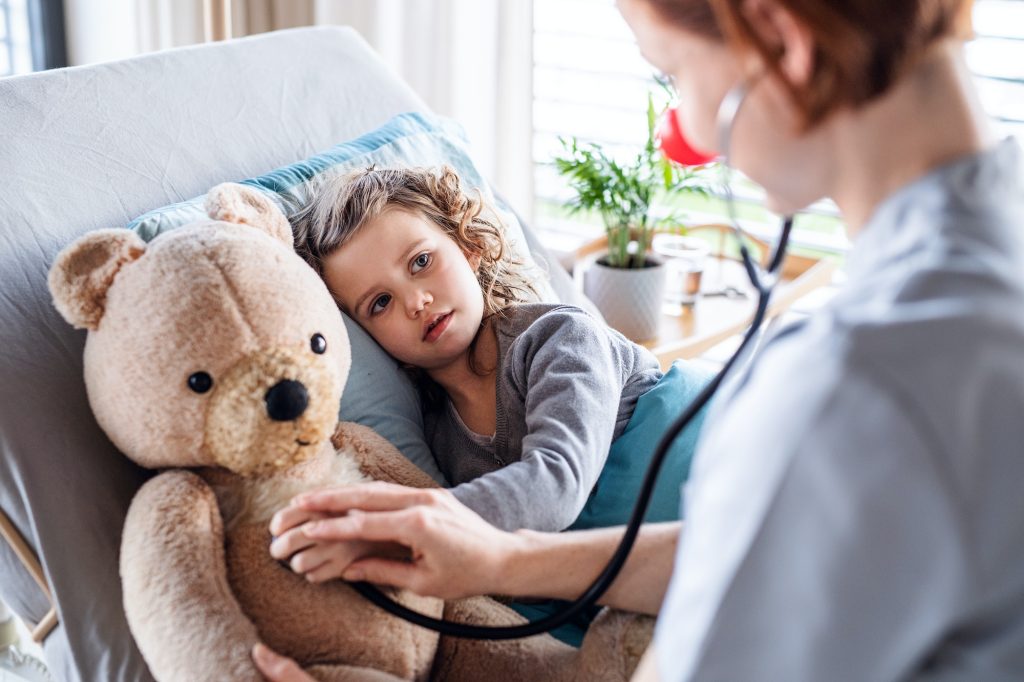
<point x="629" y="299"/>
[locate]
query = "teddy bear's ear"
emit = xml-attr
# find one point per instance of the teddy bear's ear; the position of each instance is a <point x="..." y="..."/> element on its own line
<point x="83" y="272"/>
<point x="234" y="203"/>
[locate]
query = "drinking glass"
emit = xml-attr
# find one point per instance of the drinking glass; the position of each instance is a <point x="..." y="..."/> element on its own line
<point x="685" y="258"/>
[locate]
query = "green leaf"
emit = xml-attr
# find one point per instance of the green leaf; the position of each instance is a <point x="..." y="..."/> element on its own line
<point x="626" y="195"/>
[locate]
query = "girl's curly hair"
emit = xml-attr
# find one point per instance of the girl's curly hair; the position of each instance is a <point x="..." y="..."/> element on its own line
<point x="344" y="203"/>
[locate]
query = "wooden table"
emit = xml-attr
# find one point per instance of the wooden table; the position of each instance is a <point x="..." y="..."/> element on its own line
<point x="687" y="332"/>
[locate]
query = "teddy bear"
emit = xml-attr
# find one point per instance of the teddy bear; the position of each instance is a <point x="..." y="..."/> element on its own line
<point x="217" y="357"/>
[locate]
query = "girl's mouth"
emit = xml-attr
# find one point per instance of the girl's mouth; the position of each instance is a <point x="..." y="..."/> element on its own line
<point x="437" y="327"/>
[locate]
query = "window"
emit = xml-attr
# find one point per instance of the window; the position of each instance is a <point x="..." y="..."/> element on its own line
<point x="15" y="50"/>
<point x="996" y="57"/>
<point x="31" y="36"/>
<point x="590" y="81"/>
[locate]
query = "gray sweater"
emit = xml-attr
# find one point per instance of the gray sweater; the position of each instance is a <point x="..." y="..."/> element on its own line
<point x="566" y="388"/>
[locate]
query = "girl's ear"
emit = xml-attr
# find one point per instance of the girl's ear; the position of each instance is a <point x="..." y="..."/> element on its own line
<point x="474" y="261"/>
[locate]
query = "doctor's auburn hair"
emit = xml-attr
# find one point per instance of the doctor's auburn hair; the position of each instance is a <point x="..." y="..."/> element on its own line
<point x="342" y="204"/>
<point x="862" y="47"/>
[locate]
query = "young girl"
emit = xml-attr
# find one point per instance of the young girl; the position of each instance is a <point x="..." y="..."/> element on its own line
<point x="522" y="400"/>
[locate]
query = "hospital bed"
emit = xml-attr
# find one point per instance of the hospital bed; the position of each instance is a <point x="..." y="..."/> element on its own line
<point x="93" y="147"/>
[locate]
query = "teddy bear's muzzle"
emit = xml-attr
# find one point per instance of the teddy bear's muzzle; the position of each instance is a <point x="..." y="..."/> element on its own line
<point x="286" y="400"/>
<point x="271" y="410"/>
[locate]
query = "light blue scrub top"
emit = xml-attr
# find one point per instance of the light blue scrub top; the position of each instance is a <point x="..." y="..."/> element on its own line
<point x="856" y="509"/>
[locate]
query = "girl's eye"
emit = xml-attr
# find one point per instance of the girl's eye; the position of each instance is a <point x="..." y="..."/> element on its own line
<point x="380" y="303"/>
<point x="421" y="261"/>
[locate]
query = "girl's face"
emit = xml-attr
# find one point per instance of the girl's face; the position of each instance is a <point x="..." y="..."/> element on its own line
<point x="766" y="144"/>
<point x="405" y="281"/>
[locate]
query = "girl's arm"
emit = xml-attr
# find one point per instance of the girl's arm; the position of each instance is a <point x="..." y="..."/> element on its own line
<point x="569" y="370"/>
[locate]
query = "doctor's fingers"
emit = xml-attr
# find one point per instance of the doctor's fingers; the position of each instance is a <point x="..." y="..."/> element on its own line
<point x="376" y="496"/>
<point x="446" y="527"/>
<point x="400" y="526"/>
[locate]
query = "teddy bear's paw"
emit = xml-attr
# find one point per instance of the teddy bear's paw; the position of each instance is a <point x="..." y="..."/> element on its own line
<point x="614" y="645"/>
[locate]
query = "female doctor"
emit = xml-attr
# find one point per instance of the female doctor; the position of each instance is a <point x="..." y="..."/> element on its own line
<point x="855" y="509"/>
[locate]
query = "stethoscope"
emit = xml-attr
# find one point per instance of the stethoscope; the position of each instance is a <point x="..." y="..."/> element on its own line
<point x="675" y="147"/>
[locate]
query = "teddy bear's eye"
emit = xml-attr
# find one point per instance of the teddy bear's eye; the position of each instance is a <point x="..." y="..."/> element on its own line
<point x="318" y="343"/>
<point x="200" y="382"/>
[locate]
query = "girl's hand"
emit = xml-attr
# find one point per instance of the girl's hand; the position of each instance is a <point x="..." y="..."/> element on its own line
<point x="277" y="668"/>
<point x="451" y="551"/>
<point x="320" y="561"/>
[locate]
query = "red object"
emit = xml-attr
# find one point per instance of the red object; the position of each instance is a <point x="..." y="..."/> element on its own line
<point x="673" y="143"/>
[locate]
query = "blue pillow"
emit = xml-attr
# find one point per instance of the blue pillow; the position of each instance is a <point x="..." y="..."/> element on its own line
<point x="378" y="394"/>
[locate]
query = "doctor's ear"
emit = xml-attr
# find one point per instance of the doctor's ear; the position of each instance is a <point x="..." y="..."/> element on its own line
<point x="788" y="40"/>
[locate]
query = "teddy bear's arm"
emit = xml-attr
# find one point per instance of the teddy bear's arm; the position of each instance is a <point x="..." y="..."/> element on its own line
<point x="378" y="458"/>
<point x="180" y="607"/>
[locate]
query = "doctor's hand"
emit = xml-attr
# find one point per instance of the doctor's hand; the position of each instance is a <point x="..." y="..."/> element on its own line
<point x="449" y="551"/>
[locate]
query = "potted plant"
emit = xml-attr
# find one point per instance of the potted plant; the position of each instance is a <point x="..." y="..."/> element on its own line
<point x="626" y="282"/>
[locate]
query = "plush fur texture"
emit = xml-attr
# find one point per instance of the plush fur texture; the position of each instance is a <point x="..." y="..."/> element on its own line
<point x="190" y="338"/>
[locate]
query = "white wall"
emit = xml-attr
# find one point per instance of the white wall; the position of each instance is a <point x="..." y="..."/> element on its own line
<point x="471" y="60"/>
<point x="100" y="31"/>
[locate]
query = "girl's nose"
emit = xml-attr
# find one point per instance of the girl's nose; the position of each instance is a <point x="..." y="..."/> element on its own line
<point x="418" y="301"/>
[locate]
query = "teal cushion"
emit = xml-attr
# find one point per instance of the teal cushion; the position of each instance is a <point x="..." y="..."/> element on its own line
<point x="378" y="394"/>
<point x="613" y="498"/>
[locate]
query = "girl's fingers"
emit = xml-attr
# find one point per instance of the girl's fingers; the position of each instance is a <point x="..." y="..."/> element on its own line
<point x="292" y="541"/>
<point x="277" y="668"/>
<point x="399" y="574"/>
<point x="310" y="559"/>
<point x="327" y="571"/>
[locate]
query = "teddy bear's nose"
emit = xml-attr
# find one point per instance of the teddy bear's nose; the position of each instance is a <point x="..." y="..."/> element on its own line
<point x="286" y="400"/>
